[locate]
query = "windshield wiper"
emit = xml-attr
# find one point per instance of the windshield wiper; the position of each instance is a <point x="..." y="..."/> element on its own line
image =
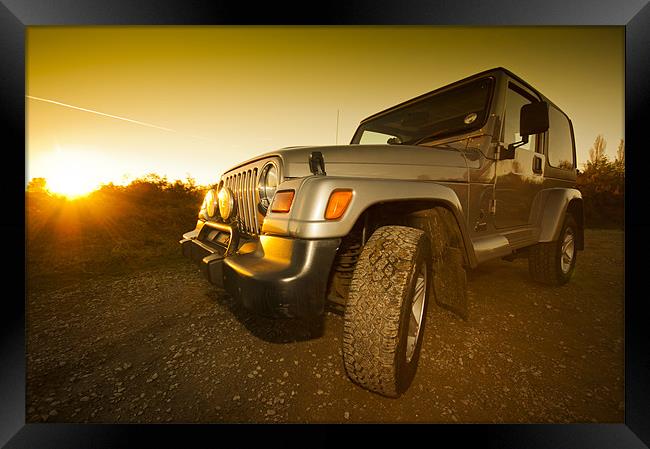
<point x="427" y="137"/>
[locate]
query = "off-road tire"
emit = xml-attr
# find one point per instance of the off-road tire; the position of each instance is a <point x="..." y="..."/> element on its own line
<point x="544" y="259"/>
<point x="378" y="310"/>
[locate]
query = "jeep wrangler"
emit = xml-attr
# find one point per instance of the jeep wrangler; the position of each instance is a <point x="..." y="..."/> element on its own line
<point x="480" y="169"/>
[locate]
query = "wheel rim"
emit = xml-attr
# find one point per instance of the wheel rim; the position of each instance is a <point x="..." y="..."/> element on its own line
<point x="567" y="251"/>
<point x="417" y="302"/>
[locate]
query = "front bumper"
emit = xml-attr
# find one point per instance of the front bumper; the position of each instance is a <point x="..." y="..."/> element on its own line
<point x="273" y="276"/>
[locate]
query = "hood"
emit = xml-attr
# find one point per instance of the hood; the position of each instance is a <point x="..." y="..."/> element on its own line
<point x="437" y="163"/>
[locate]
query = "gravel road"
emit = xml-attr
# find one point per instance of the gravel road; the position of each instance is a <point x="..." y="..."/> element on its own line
<point x="163" y="345"/>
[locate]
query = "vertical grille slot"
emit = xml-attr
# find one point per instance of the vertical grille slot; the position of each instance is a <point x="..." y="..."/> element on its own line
<point x="254" y="201"/>
<point x="242" y="203"/>
<point x="244" y="194"/>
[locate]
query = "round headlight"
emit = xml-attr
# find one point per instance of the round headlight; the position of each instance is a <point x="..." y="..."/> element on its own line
<point x="226" y="203"/>
<point x="267" y="186"/>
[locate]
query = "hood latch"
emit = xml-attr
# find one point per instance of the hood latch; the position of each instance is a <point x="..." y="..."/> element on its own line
<point x="317" y="163"/>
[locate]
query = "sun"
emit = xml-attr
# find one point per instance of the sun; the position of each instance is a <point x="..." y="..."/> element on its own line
<point x="74" y="173"/>
<point x="70" y="187"/>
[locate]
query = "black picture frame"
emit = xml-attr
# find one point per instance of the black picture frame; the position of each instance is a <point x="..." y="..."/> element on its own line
<point x="16" y="15"/>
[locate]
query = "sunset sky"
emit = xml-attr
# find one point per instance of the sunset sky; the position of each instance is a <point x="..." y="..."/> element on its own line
<point x="114" y="103"/>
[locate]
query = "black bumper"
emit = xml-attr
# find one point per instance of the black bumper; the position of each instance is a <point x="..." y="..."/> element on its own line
<point x="272" y="276"/>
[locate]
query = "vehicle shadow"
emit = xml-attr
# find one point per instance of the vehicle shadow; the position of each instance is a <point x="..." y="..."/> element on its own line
<point x="272" y="330"/>
<point x="516" y="270"/>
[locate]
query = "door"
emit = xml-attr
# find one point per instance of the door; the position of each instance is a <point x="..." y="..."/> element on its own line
<point x="518" y="180"/>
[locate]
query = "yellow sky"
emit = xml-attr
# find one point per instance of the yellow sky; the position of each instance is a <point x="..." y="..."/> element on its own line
<point x="208" y="97"/>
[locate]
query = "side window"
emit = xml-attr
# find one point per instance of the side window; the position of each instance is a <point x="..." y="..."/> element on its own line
<point x="514" y="102"/>
<point x="560" y="142"/>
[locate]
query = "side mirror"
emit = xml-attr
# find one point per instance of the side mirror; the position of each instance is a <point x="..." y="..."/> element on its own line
<point x="533" y="118"/>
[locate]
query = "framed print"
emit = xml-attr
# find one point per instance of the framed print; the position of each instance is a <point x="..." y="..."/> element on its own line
<point x="242" y="215"/>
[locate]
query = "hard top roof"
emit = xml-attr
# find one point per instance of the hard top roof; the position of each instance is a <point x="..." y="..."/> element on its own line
<point x="484" y="73"/>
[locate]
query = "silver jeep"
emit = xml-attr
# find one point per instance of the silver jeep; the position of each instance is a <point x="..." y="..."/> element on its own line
<point x="480" y="169"/>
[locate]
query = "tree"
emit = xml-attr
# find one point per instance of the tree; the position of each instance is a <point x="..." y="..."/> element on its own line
<point x="37" y="185"/>
<point x="597" y="151"/>
<point x="620" y="154"/>
<point x="602" y="183"/>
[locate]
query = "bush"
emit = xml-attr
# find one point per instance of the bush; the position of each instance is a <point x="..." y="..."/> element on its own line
<point x="602" y="184"/>
<point x="115" y="228"/>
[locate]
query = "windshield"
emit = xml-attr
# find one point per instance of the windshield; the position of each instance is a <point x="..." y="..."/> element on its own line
<point x="457" y="110"/>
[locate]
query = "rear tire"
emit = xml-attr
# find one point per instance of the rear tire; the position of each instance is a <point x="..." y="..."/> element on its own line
<point x="382" y="335"/>
<point x="553" y="263"/>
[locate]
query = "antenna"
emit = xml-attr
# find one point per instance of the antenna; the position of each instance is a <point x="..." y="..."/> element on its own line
<point x="337" y="126"/>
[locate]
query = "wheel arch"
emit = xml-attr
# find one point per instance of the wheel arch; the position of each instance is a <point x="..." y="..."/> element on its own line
<point x="399" y="212"/>
<point x="550" y="209"/>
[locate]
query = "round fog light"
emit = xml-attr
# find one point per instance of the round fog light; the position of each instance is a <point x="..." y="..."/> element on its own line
<point x="226" y="203"/>
<point x="211" y="203"/>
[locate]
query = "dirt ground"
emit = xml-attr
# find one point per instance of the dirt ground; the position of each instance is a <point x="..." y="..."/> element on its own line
<point x="163" y="345"/>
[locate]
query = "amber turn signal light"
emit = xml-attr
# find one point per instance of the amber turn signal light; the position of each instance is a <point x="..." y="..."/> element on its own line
<point x="282" y="201"/>
<point x="338" y="204"/>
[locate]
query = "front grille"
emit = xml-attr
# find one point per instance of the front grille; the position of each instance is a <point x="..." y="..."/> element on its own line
<point x="244" y="187"/>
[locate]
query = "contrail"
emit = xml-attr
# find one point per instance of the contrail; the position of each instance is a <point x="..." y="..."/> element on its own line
<point x="101" y="113"/>
<point x="137" y="122"/>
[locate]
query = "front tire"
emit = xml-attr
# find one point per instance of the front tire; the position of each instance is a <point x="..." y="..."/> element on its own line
<point x="386" y="310"/>
<point x="553" y="263"/>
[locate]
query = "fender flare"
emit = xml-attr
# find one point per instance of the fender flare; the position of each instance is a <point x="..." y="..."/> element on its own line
<point x="306" y="217"/>
<point x="549" y="209"/>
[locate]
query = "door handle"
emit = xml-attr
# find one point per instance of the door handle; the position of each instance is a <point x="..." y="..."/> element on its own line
<point x="537" y="164"/>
